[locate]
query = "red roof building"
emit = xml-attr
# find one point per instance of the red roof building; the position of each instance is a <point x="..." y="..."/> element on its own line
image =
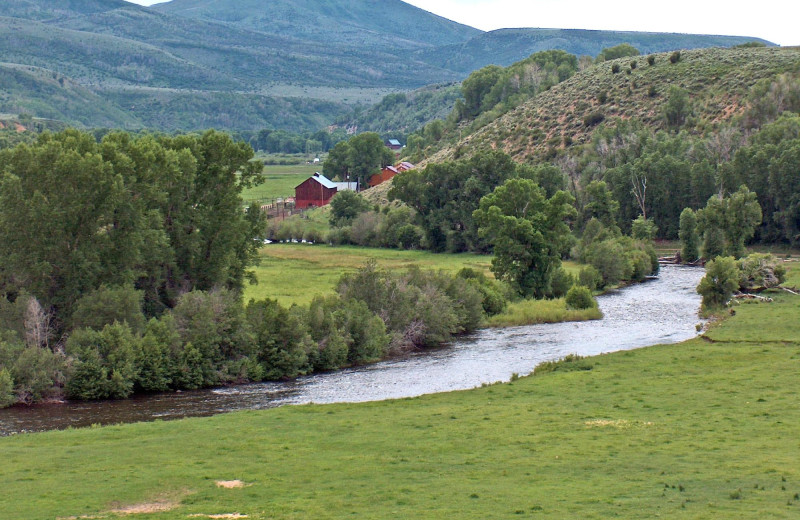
<point x="386" y="173"/>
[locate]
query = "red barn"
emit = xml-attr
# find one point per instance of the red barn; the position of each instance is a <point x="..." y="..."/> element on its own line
<point x="315" y="191"/>
<point x="386" y="173"/>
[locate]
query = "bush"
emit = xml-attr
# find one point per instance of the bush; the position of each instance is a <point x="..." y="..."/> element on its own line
<point x="346" y="206"/>
<point x="651" y="60"/>
<point x="615" y="68"/>
<point x="595" y="118"/>
<point x="675" y="57"/>
<point x="561" y="283"/>
<point x="279" y="339"/>
<point x="643" y="229"/>
<point x="602" y="97"/>
<point x="589" y="277"/>
<point x="719" y="283"/>
<point x="652" y="91"/>
<point x="105" y="362"/>
<point x="760" y="270"/>
<point x="580" y="297"/>
<point x="633" y="65"/>
<point x="570" y="363"/>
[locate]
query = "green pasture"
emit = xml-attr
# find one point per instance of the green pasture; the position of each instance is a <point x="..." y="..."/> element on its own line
<point x="279" y="181"/>
<point x="295" y="273"/>
<point x="702" y="429"/>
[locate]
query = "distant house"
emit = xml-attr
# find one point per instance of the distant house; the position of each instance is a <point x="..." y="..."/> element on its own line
<point x="318" y="190"/>
<point x="393" y="144"/>
<point x="386" y="173"/>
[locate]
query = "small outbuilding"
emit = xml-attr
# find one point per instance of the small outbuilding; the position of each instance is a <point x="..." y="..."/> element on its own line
<point x="393" y="144"/>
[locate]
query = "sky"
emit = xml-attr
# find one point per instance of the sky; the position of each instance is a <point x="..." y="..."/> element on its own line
<point x="773" y="20"/>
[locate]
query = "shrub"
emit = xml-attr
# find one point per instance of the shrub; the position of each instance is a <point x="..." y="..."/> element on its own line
<point x="719" y="283"/>
<point x="346" y="206"/>
<point x="561" y="283"/>
<point x="570" y="363"/>
<point x="278" y="339"/>
<point x="580" y="297"/>
<point x="651" y="91"/>
<point x="651" y="60"/>
<point x="602" y="97"/>
<point x="589" y="277"/>
<point x="643" y="229"/>
<point x="594" y="118"/>
<point x="615" y="68"/>
<point x="633" y="65"/>
<point x="675" y="57"/>
<point x="760" y="270"/>
<point x="106" y="362"/>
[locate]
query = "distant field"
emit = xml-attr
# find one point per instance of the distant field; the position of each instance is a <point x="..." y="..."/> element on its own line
<point x="280" y="181"/>
<point x="295" y="273"/>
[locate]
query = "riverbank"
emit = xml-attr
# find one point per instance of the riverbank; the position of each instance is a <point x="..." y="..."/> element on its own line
<point x="700" y="429"/>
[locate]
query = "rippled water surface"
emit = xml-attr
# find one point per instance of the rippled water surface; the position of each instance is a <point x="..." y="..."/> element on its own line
<point x="663" y="310"/>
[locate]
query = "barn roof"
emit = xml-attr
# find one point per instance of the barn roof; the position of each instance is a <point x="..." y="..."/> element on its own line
<point x="323" y="180"/>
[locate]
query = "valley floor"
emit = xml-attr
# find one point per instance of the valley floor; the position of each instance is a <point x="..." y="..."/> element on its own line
<point x="703" y="429"/>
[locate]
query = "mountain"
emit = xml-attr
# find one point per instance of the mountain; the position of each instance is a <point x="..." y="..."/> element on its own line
<point x="249" y="64"/>
<point x="506" y="46"/>
<point x="391" y="24"/>
<point x="717" y="83"/>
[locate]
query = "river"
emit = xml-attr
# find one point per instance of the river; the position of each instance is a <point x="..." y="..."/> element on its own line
<point x="662" y="310"/>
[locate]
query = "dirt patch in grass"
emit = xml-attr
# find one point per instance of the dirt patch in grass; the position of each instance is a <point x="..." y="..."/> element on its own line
<point x="224" y="515"/>
<point x="230" y="484"/>
<point x="620" y="424"/>
<point x="159" y="506"/>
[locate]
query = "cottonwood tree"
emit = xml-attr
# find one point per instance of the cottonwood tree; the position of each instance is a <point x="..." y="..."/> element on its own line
<point x="526" y="230"/>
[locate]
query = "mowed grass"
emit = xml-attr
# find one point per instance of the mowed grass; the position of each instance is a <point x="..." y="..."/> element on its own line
<point x="279" y="181"/>
<point x="696" y="430"/>
<point x="296" y="273"/>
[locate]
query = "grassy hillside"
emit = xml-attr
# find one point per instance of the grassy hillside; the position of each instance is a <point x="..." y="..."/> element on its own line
<point x="703" y="429"/>
<point x="506" y="46"/>
<point x="717" y="81"/>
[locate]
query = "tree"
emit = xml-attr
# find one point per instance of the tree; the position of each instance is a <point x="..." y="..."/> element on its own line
<point x="346" y="206"/>
<point x="643" y="229"/>
<point x="358" y="159"/>
<point x="690" y="244"/>
<point x="731" y="219"/>
<point x="618" y="51"/>
<point x="476" y="87"/>
<point x="525" y="230"/>
<point x="719" y="283"/>
<point x="600" y="204"/>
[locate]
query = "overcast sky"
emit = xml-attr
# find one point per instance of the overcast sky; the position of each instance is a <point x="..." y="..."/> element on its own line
<point x="775" y="20"/>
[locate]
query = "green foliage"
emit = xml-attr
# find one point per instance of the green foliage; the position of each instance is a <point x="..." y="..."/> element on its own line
<point x="346" y="206"/>
<point x="600" y="204"/>
<point x="590" y="277"/>
<point x="622" y="50"/>
<point x="732" y="219"/>
<point x="526" y="230"/>
<point x="7" y="397"/>
<point x="358" y="158"/>
<point x="105" y="362"/>
<point x="651" y="60"/>
<point x="675" y="57"/>
<point x="580" y="297"/>
<point x="643" y="229"/>
<point x="444" y="195"/>
<point x="561" y="283"/>
<point x="677" y="108"/>
<point x="690" y="243"/>
<point x="570" y="363"/>
<point x="106" y="305"/>
<point x="760" y="271"/>
<point x="719" y="283"/>
<point x="279" y="339"/>
<point x="615" y="68"/>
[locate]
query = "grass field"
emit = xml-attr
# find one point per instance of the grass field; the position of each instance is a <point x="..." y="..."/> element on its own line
<point x="703" y="429"/>
<point x="279" y="181"/>
<point x="295" y="273"/>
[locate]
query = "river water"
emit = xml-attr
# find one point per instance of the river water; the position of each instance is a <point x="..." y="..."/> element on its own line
<point x="662" y="310"/>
